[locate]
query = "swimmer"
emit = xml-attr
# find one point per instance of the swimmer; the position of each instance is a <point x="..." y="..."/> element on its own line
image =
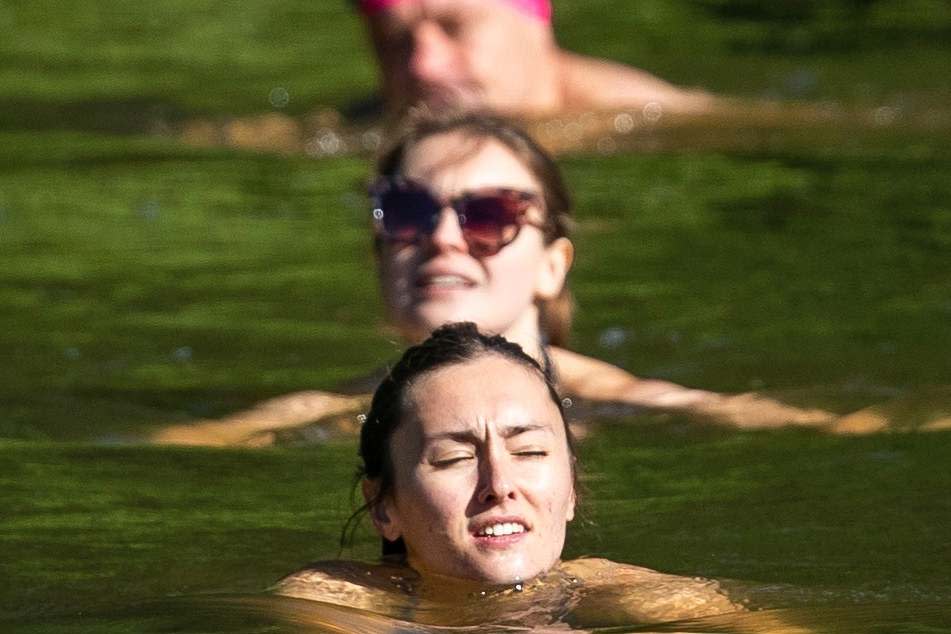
<point x="471" y="223"/>
<point x="469" y="473"/>
<point x="501" y="55"/>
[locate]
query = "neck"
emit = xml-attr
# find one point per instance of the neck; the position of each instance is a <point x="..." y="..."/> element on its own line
<point x="525" y="333"/>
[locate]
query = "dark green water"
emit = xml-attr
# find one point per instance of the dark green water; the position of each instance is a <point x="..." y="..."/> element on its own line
<point x="143" y="282"/>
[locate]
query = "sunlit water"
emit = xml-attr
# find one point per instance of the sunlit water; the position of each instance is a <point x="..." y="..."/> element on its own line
<point x="178" y="274"/>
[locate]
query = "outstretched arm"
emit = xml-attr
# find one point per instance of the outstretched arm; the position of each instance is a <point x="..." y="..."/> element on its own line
<point x="255" y="426"/>
<point x="589" y="83"/>
<point x="595" y="380"/>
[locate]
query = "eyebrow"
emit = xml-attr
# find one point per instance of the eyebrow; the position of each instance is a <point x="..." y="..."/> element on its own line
<point x="468" y="435"/>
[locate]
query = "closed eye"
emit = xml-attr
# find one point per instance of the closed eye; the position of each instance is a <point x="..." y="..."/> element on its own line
<point x="451" y="460"/>
<point x="531" y="453"/>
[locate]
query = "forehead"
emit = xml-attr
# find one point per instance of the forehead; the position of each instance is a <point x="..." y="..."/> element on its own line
<point x="488" y="390"/>
<point x="413" y="10"/>
<point x="454" y="161"/>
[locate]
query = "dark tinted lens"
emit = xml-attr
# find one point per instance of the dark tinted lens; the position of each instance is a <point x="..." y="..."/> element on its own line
<point x="491" y="221"/>
<point x="407" y="212"/>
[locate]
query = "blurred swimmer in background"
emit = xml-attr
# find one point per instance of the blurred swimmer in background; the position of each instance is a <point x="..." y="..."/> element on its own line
<point x="501" y="56"/>
<point x="471" y="222"/>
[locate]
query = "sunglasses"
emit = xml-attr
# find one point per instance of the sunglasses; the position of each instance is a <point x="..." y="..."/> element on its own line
<point x="490" y="218"/>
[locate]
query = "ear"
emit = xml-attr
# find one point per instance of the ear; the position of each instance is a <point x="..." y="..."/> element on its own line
<point x="554" y="268"/>
<point x="383" y="516"/>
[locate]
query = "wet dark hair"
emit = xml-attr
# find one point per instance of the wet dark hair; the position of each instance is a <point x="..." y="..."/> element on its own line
<point x="555" y="315"/>
<point x="448" y="345"/>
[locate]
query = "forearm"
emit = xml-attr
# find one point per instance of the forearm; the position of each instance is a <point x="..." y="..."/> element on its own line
<point x="284" y="412"/>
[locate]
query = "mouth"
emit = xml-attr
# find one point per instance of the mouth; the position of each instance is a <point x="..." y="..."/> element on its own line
<point x="500" y="532"/>
<point x="444" y="282"/>
<point x="501" y="529"/>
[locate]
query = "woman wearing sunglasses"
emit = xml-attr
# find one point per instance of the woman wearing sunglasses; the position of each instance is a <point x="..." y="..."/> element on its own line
<point x="471" y="222"/>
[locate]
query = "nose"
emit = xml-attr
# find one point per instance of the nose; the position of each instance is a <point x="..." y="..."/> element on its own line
<point x="447" y="234"/>
<point x="433" y="56"/>
<point x="495" y="478"/>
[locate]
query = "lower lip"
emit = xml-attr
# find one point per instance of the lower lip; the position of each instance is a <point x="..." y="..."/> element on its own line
<point x="499" y="542"/>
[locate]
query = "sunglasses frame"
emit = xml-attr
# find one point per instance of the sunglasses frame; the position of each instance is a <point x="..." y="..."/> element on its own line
<point x="457" y="203"/>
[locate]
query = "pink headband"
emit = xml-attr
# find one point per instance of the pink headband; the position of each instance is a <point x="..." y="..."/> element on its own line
<point x="540" y="9"/>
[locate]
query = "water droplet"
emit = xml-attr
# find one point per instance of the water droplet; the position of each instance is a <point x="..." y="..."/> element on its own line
<point x="182" y="354"/>
<point x="885" y="115"/>
<point x="518" y="587"/>
<point x="371" y="140"/>
<point x="573" y="131"/>
<point x="607" y="145"/>
<point x="279" y="97"/>
<point x="150" y="210"/>
<point x="566" y="402"/>
<point x="612" y="337"/>
<point x="361" y="418"/>
<point x="653" y="111"/>
<point x="624" y="123"/>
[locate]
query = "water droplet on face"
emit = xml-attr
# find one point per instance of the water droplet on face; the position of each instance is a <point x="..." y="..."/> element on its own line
<point x="279" y="97"/>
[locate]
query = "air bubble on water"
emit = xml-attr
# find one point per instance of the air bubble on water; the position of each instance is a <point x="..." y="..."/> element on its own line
<point x="371" y="140"/>
<point x="150" y="210"/>
<point x="361" y="418"/>
<point x="519" y="587"/>
<point x="323" y="143"/>
<point x="566" y="402"/>
<point x="612" y="337"/>
<point x="653" y="111"/>
<point x="182" y="354"/>
<point x="885" y="115"/>
<point x="573" y="131"/>
<point x="279" y="97"/>
<point x="72" y="353"/>
<point x="624" y="123"/>
<point x="607" y="145"/>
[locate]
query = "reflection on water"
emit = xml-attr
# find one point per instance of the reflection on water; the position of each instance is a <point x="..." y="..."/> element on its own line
<point x="252" y="614"/>
<point x="731" y="125"/>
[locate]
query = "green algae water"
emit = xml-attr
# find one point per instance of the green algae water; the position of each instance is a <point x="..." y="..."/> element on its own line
<point x="145" y="282"/>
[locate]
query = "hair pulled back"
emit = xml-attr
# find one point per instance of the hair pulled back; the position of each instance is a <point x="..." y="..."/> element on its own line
<point x="555" y="314"/>
<point x="448" y="345"/>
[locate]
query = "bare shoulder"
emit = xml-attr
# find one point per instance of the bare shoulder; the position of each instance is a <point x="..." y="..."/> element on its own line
<point x="644" y="593"/>
<point x="350" y="583"/>
<point x="589" y="82"/>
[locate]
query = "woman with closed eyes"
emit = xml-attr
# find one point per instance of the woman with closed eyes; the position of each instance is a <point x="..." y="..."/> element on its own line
<point x="471" y="222"/>
<point x="469" y="474"/>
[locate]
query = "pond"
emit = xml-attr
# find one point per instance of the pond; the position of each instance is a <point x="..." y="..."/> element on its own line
<point x="145" y="281"/>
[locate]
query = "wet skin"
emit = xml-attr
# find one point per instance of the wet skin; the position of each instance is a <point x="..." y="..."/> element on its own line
<point x="436" y="280"/>
<point x="483" y="484"/>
